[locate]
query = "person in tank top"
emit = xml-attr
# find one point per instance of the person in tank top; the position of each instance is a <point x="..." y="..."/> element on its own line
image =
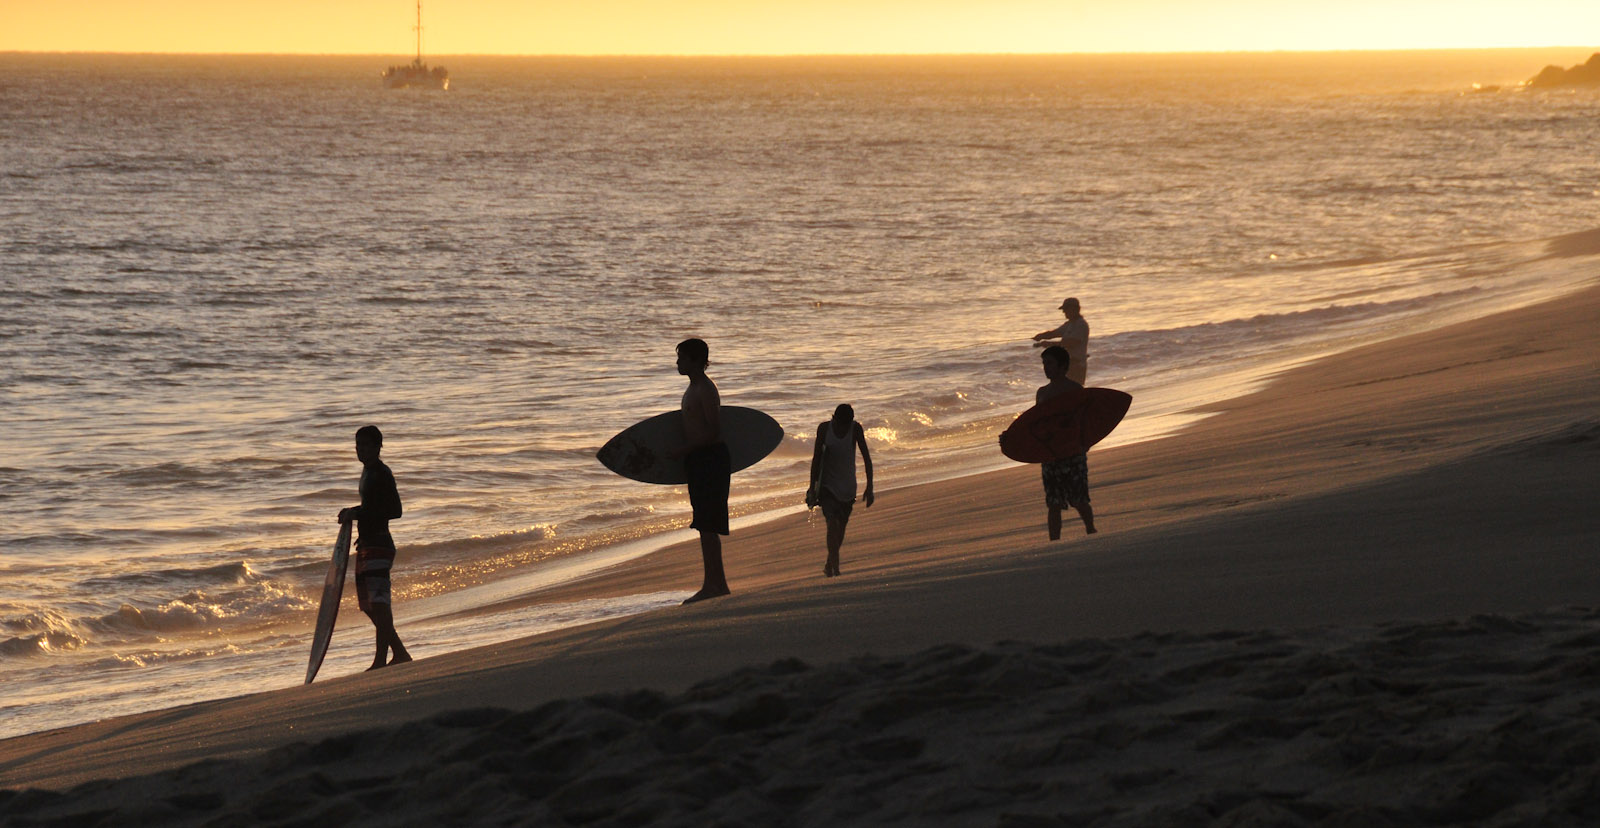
<point x="833" y="477"/>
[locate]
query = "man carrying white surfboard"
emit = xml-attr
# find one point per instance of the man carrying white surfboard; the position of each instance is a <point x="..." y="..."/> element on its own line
<point x="708" y="463"/>
<point x="1074" y="337"/>
<point x="1066" y="482"/>
<point x="380" y="503"/>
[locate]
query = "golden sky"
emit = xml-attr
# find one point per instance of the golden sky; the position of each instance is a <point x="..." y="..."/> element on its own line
<point x="719" y="27"/>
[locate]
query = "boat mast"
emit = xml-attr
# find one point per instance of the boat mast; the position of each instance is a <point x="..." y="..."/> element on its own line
<point x="419" y="32"/>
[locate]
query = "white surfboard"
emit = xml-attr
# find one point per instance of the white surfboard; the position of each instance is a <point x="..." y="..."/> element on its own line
<point x="641" y="452"/>
<point x="332" y="592"/>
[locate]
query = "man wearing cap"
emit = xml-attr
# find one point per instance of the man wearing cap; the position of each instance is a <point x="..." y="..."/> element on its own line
<point x="1074" y="336"/>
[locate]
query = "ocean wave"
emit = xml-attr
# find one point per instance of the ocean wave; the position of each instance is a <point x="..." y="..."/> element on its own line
<point x="127" y="164"/>
<point x="145" y="658"/>
<point x="38" y="620"/>
<point x="395" y="300"/>
<point x="199" y="611"/>
<point x="515" y="346"/>
<point x="159" y="474"/>
<point x="339" y="494"/>
<point x="1129" y="350"/>
<point x="45" y="643"/>
<point x="128" y="333"/>
<point x="614" y="511"/>
<point x="483" y="544"/>
<point x="583" y="453"/>
<point x="227" y="574"/>
<point x="233" y="597"/>
<point x="196" y="364"/>
<point x="56" y="540"/>
<point x="142" y="245"/>
<point x="41" y="631"/>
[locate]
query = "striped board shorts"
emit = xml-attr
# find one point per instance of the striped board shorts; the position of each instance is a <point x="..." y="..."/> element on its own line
<point x="372" y="576"/>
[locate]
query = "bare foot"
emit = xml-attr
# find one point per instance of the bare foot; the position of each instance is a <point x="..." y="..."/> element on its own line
<point x="1089" y="529"/>
<point x="400" y="659"/>
<point x="376" y="666"/>
<point x="706" y="592"/>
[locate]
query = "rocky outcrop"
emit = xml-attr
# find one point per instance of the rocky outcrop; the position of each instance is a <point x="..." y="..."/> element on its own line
<point x="1584" y="74"/>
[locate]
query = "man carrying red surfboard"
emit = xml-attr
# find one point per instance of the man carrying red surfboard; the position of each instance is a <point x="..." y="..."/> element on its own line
<point x="1074" y="336"/>
<point x="1066" y="482"/>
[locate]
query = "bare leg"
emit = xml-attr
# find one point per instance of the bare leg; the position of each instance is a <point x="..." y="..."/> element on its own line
<point x="716" y="581"/>
<point x="1086" y="512"/>
<point x="1055" y="523"/>
<point x="399" y="649"/>
<point x="383" y="620"/>
<point x="835" y="541"/>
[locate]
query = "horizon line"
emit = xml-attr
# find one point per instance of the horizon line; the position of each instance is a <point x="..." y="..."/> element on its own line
<point x="748" y="55"/>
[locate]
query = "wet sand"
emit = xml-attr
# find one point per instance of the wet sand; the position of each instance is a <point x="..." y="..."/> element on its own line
<point x="1358" y="596"/>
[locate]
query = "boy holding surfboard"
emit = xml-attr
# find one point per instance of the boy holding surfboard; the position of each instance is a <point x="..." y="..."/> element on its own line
<point x="833" y="477"/>
<point x="1066" y="482"/>
<point x="708" y="464"/>
<point x="380" y="503"/>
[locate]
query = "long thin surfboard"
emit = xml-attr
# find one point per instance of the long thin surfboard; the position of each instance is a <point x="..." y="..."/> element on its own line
<point x="332" y="591"/>
<point x="644" y="451"/>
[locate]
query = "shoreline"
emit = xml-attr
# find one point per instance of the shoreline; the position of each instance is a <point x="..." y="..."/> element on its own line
<point x="1194" y="426"/>
<point x="1366" y="432"/>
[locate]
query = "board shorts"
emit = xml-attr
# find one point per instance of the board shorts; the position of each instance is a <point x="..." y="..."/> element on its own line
<point x="1066" y="482"/>
<point x="710" y="472"/>
<point x="835" y="510"/>
<point x="372" y="576"/>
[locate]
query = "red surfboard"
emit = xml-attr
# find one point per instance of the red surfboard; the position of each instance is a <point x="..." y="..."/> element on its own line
<point x="1065" y="425"/>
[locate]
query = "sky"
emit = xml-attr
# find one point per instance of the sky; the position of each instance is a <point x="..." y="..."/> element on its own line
<point x="755" y="27"/>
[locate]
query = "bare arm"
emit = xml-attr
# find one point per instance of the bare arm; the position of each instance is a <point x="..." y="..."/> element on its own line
<point x="713" y="415"/>
<point x="381" y="501"/>
<point x="866" y="462"/>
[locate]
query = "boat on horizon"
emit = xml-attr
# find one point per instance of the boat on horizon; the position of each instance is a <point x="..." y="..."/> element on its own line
<point x="416" y="74"/>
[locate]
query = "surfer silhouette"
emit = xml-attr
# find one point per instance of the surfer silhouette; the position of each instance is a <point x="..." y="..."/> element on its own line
<point x="1066" y="482"/>
<point x="708" y="464"/>
<point x="833" y="477"/>
<point x="1074" y="337"/>
<point x="380" y="503"/>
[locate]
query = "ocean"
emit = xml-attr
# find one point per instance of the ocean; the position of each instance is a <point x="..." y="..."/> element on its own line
<point x="214" y="269"/>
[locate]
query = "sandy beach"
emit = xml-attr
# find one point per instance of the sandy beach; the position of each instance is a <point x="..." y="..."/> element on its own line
<point x="1361" y="595"/>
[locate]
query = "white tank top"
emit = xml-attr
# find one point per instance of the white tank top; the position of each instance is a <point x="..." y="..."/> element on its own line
<point x="839" y="462"/>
